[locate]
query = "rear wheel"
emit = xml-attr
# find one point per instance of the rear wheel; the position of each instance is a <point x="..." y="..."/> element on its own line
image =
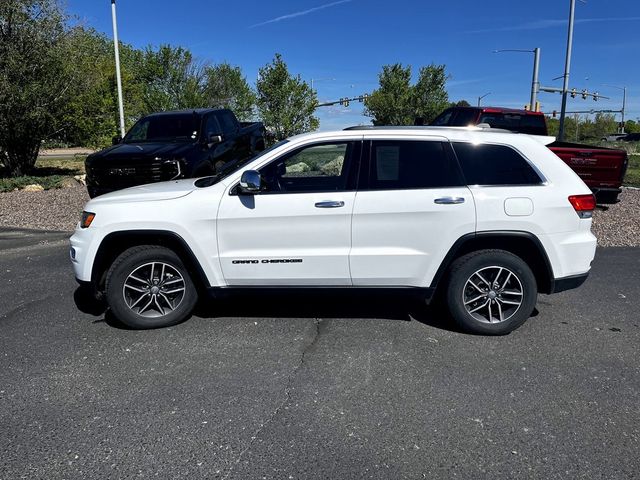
<point x="607" y="197"/>
<point x="148" y="287"/>
<point x="491" y="292"/>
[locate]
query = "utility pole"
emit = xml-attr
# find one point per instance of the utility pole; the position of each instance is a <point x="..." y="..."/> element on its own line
<point x="567" y="68"/>
<point x="118" y="77"/>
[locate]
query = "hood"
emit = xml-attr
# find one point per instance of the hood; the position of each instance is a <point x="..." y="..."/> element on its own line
<point x="140" y="151"/>
<point x="148" y="193"/>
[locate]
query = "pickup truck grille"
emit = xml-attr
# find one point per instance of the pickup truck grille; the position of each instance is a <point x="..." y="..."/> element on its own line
<point x="127" y="175"/>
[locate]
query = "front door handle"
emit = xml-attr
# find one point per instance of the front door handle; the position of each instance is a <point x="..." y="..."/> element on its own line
<point x="449" y="200"/>
<point x="330" y="204"/>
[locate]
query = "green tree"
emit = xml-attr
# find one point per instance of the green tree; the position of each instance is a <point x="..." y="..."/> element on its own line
<point x="631" y="126"/>
<point x="173" y="79"/>
<point x="35" y="81"/>
<point x="430" y="96"/>
<point x="392" y="103"/>
<point x="286" y="103"/>
<point x="226" y="87"/>
<point x="397" y="102"/>
<point x="460" y="103"/>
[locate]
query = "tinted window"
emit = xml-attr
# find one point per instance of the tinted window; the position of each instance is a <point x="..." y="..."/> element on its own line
<point x="516" y="122"/>
<point x="399" y="164"/>
<point x="494" y="165"/>
<point x="212" y="127"/>
<point x="315" y="168"/>
<point x="443" y="119"/>
<point x="164" y="127"/>
<point x="464" y="117"/>
<point x="227" y="123"/>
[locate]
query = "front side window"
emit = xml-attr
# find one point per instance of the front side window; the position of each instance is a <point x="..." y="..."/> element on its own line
<point x="494" y="165"/>
<point x="314" y="168"/>
<point x="406" y="164"/>
<point x="212" y="127"/>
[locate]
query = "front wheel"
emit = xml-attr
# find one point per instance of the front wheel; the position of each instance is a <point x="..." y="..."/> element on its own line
<point x="491" y="292"/>
<point x="149" y="287"/>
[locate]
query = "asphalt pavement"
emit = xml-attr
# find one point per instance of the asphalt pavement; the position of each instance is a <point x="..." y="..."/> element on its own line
<point x="325" y="386"/>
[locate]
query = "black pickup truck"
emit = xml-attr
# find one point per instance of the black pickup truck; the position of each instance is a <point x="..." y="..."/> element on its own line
<point x="171" y="145"/>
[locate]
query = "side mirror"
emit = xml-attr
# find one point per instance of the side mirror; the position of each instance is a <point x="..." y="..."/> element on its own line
<point x="250" y="182"/>
<point x="214" y="138"/>
<point x="116" y="140"/>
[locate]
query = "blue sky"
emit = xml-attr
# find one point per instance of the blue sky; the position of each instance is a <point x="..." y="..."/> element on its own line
<point x="342" y="44"/>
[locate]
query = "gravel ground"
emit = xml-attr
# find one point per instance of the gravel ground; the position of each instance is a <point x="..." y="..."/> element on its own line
<point x="615" y="225"/>
<point x="619" y="225"/>
<point x="57" y="209"/>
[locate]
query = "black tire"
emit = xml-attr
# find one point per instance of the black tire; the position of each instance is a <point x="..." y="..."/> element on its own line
<point x="607" y="197"/>
<point x="169" y="305"/>
<point x="463" y="284"/>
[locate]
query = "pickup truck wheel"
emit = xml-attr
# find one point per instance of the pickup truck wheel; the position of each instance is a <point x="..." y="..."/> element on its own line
<point x="149" y="287"/>
<point x="491" y="292"/>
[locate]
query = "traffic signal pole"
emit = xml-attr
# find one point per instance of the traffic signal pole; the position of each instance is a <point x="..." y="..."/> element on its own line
<point x="567" y="67"/>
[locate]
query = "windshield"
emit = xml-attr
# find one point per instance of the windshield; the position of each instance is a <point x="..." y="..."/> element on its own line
<point x="232" y="167"/>
<point x="171" y="127"/>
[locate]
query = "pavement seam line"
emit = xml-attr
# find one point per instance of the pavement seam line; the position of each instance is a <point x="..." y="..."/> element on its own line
<point x="285" y="400"/>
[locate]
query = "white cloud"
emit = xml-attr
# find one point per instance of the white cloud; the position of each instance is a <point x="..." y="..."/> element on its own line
<point x="551" y="23"/>
<point x="300" y="13"/>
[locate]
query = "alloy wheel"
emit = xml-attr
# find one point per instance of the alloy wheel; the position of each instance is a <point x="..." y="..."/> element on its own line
<point x="493" y="294"/>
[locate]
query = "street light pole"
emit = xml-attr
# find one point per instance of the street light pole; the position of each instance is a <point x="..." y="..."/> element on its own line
<point x="624" y="100"/>
<point x="313" y="80"/>
<point x="480" y="98"/>
<point x="567" y="68"/>
<point x="535" y="83"/>
<point x="118" y="77"/>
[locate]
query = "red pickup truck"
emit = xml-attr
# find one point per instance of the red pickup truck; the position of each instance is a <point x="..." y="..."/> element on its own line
<point x="602" y="169"/>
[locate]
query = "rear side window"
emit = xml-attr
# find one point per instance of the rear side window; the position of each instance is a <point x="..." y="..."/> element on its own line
<point x="494" y="165"/>
<point x="405" y="164"/>
<point x="516" y="122"/>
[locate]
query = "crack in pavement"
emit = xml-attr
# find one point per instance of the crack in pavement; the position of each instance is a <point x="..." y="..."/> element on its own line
<point x="285" y="400"/>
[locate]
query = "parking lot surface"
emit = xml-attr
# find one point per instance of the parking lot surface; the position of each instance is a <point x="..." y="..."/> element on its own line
<point x="323" y="386"/>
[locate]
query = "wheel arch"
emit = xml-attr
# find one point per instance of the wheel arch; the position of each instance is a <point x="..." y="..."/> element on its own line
<point x="117" y="242"/>
<point x="523" y="244"/>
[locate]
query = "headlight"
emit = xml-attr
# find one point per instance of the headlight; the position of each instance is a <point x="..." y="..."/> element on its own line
<point x="87" y="218"/>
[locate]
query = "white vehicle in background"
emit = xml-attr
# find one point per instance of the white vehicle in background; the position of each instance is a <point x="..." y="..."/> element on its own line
<point x="488" y="219"/>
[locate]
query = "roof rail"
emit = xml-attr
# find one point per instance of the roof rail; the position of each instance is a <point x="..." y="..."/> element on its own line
<point x="480" y="127"/>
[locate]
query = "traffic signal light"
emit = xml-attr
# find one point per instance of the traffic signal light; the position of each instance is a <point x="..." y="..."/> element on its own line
<point x="573" y="93"/>
<point x="346" y="102"/>
<point x="595" y="96"/>
<point x="555" y="112"/>
<point x="584" y="94"/>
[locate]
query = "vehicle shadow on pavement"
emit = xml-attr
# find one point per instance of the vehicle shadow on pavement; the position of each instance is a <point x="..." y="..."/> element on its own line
<point x="327" y="304"/>
<point x="321" y="304"/>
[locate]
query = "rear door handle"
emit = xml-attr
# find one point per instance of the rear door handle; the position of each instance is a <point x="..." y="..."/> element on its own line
<point x="330" y="204"/>
<point x="449" y="200"/>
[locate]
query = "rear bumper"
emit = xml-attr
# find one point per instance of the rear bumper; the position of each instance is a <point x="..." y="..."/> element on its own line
<point x="568" y="283"/>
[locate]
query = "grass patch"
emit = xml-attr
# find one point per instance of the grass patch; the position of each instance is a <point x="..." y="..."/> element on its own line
<point x="50" y="172"/>
<point x="632" y="178"/>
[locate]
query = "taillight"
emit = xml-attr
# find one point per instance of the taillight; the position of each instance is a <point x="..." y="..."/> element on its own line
<point x="584" y="205"/>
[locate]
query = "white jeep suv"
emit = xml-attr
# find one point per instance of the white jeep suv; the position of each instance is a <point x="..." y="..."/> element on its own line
<point x="488" y="219"/>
